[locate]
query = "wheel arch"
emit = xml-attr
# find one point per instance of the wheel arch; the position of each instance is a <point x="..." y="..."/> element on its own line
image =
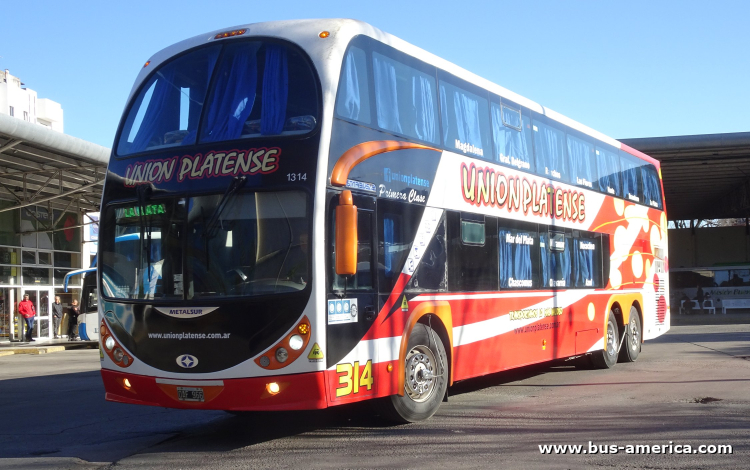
<point x="438" y="315"/>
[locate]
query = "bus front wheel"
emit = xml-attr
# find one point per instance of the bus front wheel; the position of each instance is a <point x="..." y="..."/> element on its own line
<point x="607" y="357"/>
<point x="425" y="378"/>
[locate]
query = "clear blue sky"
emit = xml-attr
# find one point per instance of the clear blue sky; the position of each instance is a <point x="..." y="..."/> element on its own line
<point x="627" y="68"/>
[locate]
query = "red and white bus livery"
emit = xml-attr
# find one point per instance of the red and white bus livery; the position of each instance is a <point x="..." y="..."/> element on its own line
<point x="303" y="214"/>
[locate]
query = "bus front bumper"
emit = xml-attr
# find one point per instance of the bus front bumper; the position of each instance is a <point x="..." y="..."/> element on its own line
<point x="283" y="392"/>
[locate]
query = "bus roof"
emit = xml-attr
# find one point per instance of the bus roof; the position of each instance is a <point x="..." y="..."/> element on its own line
<point x="327" y="55"/>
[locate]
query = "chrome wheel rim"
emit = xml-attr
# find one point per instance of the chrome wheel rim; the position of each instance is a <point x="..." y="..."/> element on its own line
<point x="635" y="335"/>
<point x="421" y="370"/>
<point x="611" y="347"/>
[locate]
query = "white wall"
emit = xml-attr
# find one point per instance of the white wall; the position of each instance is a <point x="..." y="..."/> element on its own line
<point x="25" y="100"/>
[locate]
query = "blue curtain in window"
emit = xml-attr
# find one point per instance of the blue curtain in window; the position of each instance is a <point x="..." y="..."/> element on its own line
<point x="515" y="259"/>
<point x="544" y="250"/>
<point x="163" y="109"/>
<point x="388" y="241"/>
<point x="386" y="97"/>
<point x="609" y="172"/>
<point x="506" y="258"/>
<point x="629" y="179"/>
<point x="650" y="185"/>
<point x="424" y="108"/>
<point x="467" y="119"/>
<point x="550" y="148"/>
<point x="509" y="142"/>
<point x="581" y="160"/>
<point x="234" y="94"/>
<point x="584" y="266"/>
<point x="275" y="91"/>
<point x="556" y="265"/>
<point x="351" y="97"/>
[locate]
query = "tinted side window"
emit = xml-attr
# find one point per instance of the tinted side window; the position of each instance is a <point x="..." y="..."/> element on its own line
<point x="582" y="161"/>
<point x="518" y="255"/>
<point x="651" y="186"/>
<point x="471" y="267"/>
<point x="464" y="118"/>
<point x="353" y="100"/>
<point x="549" y="151"/>
<point x="431" y="272"/>
<point x="587" y="252"/>
<point x="556" y="260"/>
<point x="511" y="132"/>
<point x="405" y="99"/>
<point x="609" y="176"/>
<point x="629" y="166"/>
<point x="398" y="227"/>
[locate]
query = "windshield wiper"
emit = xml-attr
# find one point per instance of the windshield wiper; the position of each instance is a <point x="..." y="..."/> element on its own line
<point x="210" y="231"/>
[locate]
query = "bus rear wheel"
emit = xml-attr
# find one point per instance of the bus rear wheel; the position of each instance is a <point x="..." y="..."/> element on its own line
<point x="607" y="357"/>
<point x="425" y="378"/>
<point x="632" y="345"/>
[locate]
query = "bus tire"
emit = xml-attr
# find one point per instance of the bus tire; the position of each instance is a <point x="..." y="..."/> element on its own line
<point x="425" y="355"/>
<point x="632" y="347"/>
<point x="607" y="357"/>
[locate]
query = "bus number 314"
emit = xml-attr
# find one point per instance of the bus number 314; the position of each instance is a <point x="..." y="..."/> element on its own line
<point x="350" y="380"/>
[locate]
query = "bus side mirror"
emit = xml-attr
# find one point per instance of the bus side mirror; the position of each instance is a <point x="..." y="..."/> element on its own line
<point x="346" y="235"/>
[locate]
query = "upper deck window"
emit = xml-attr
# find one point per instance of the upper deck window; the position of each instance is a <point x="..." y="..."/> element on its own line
<point x="258" y="88"/>
<point x="168" y="107"/>
<point x="354" y="90"/>
<point x="512" y="135"/>
<point x="405" y="99"/>
<point x="651" y="187"/>
<point x="582" y="161"/>
<point x="549" y="149"/>
<point x="608" y="163"/>
<point x="465" y="119"/>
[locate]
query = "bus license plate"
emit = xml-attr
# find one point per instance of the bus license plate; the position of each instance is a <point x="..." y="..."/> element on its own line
<point x="189" y="394"/>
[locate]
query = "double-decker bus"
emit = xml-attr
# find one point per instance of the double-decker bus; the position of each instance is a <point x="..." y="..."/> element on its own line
<point x="321" y="213"/>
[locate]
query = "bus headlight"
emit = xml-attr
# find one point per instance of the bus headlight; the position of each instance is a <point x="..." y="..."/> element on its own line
<point x="109" y="343"/>
<point x="282" y="355"/>
<point x="118" y="354"/>
<point x="296" y="342"/>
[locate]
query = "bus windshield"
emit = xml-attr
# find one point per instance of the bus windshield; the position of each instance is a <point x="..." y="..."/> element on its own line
<point x="251" y="243"/>
<point x="240" y="89"/>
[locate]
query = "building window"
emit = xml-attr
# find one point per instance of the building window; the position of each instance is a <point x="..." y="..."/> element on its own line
<point x="25" y="115"/>
<point x="12" y="111"/>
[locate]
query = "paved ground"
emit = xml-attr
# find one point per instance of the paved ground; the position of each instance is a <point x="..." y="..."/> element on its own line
<point x="691" y="386"/>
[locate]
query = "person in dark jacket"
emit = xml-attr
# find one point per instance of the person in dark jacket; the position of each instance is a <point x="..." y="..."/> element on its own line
<point x="73" y="320"/>
<point x="57" y="314"/>
<point x="27" y="311"/>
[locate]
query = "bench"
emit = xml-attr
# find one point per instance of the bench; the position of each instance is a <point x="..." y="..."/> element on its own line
<point x="734" y="303"/>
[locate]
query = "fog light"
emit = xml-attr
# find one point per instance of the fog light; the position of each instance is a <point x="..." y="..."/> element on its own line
<point x="296" y="342"/>
<point x="109" y="343"/>
<point x="126" y="384"/>
<point x="118" y="354"/>
<point x="273" y="388"/>
<point x="282" y="355"/>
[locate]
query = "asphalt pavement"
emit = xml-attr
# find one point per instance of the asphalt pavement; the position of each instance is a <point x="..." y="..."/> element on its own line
<point x="689" y="387"/>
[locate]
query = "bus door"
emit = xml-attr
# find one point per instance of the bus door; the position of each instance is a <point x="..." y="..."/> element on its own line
<point x="351" y="308"/>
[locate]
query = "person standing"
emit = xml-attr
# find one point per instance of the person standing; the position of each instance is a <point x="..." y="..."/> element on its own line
<point x="57" y="313"/>
<point x="27" y="311"/>
<point x="73" y="320"/>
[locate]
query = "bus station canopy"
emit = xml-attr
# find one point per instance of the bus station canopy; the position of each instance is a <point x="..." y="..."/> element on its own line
<point x="705" y="176"/>
<point x="39" y="166"/>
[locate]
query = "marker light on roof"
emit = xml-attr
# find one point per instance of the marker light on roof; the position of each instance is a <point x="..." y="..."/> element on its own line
<point x="324" y="34"/>
<point x="146" y="64"/>
<point x="229" y="34"/>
